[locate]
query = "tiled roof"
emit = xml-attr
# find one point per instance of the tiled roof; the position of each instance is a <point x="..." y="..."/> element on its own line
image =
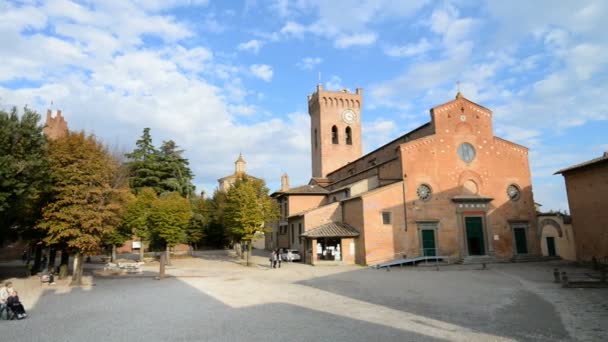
<point x="332" y="229"/>
<point x="587" y="163"/>
<point x="305" y="189"/>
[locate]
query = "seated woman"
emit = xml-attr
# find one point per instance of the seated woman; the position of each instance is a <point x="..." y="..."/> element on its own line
<point x="15" y="305"/>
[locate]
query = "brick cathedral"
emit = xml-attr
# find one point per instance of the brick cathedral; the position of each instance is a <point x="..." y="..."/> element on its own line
<point x="448" y="188"/>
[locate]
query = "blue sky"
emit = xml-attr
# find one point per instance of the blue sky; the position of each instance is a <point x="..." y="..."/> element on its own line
<point x="223" y="77"/>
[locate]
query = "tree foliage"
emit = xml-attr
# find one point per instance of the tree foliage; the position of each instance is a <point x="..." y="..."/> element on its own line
<point x="175" y="172"/>
<point x="248" y="207"/>
<point x="144" y="165"/>
<point x="137" y="213"/>
<point x="23" y="171"/>
<point x="87" y="195"/>
<point x="195" y="232"/>
<point x="169" y="218"/>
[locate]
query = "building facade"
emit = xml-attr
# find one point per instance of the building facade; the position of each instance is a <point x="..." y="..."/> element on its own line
<point x="587" y="189"/>
<point x="448" y="188"/>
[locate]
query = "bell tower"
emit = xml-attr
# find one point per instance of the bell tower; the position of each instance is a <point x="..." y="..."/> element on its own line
<point x="335" y="129"/>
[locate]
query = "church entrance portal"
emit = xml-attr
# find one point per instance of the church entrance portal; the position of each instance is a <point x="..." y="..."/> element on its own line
<point x="475" y="238"/>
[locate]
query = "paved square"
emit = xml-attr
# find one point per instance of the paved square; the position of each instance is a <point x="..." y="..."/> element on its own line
<point x="213" y="298"/>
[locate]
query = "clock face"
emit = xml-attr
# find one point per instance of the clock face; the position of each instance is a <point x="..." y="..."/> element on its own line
<point x="513" y="192"/>
<point x="349" y="116"/>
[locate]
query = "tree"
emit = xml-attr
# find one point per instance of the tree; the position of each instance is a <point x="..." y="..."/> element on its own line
<point x="86" y="200"/>
<point x="175" y="172"/>
<point x="248" y="207"/>
<point x="196" y="228"/>
<point x="169" y="218"/>
<point x="144" y="165"/>
<point x="136" y="216"/>
<point x="23" y="173"/>
<point x="213" y="213"/>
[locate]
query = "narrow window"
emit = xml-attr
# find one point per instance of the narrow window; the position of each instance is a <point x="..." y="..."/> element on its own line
<point x="349" y="136"/>
<point x="316" y="139"/>
<point x="292" y="234"/>
<point x="386" y="217"/>
<point x="334" y="135"/>
<point x="299" y="229"/>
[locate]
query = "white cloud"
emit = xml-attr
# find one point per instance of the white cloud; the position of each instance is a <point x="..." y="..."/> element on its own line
<point x="357" y="39"/>
<point x="378" y="133"/>
<point x="253" y="45"/>
<point x="309" y="63"/>
<point x="409" y="50"/>
<point x="262" y="71"/>
<point x="334" y="83"/>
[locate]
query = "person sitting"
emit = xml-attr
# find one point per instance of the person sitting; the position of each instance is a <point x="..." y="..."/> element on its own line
<point x="15" y="305"/>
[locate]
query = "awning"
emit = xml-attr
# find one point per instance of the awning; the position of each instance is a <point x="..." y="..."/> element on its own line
<point x="332" y="229"/>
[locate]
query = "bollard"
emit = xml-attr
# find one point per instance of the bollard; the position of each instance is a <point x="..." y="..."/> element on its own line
<point x="556" y="276"/>
<point x="564" y="280"/>
<point x="483" y="266"/>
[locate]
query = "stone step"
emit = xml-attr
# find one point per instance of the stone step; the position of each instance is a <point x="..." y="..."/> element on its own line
<point x="533" y="258"/>
<point x="482" y="259"/>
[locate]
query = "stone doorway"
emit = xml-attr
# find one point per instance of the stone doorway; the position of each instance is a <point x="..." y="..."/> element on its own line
<point x="474" y="235"/>
<point x="521" y="242"/>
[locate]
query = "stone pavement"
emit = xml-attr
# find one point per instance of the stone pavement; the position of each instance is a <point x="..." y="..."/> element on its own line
<point x="212" y="297"/>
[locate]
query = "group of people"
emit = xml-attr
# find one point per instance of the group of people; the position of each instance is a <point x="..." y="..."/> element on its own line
<point x="276" y="257"/>
<point x="10" y="299"/>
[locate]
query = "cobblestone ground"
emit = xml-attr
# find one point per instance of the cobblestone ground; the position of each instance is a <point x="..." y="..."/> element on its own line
<point x="213" y="297"/>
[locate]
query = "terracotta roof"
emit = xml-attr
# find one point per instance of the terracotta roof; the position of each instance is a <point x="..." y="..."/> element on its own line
<point x="304" y="189"/>
<point x="585" y="164"/>
<point x="332" y="229"/>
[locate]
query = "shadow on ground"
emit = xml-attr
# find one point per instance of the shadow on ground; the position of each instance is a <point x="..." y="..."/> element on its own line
<point x="482" y="300"/>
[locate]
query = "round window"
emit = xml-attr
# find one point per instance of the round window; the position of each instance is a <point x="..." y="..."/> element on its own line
<point x="513" y="192"/>
<point x="466" y="152"/>
<point x="424" y="192"/>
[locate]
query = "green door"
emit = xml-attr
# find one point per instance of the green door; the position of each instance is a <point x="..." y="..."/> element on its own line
<point x="551" y="245"/>
<point x="428" y="242"/>
<point x="521" y="244"/>
<point x="474" y="227"/>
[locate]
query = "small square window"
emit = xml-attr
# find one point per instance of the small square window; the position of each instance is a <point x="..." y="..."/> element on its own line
<point x="386" y="217"/>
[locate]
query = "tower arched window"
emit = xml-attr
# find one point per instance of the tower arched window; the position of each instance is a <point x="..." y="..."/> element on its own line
<point x="316" y="139"/>
<point x="334" y="135"/>
<point x="349" y="136"/>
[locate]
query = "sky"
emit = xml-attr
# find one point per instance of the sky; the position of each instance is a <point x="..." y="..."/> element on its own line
<point x="227" y="77"/>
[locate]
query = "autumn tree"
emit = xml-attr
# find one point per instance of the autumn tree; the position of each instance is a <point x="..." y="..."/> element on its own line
<point x="168" y="220"/>
<point x="23" y="173"/>
<point x="195" y="231"/>
<point x="87" y="197"/>
<point x="248" y="207"/>
<point x="213" y="212"/>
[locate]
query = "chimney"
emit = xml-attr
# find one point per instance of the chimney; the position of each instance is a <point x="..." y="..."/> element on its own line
<point x="284" y="182"/>
<point x="359" y="91"/>
<point x="48" y="115"/>
<point x="319" y="87"/>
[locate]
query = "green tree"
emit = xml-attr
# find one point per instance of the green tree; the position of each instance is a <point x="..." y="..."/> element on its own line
<point x="195" y="232"/>
<point x="175" y="172"/>
<point x="144" y="165"/>
<point x="213" y="213"/>
<point x="87" y="197"/>
<point x="136" y="217"/>
<point x="248" y="207"/>
<point x="24" y="177"/>
<point x="169" y="218"/>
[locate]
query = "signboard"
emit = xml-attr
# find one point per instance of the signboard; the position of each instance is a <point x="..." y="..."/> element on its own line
<point x="136" y="244"/>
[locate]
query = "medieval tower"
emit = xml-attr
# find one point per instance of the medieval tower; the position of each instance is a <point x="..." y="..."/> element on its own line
<point x="55" y="127"/>
<point x="335" y="128"/>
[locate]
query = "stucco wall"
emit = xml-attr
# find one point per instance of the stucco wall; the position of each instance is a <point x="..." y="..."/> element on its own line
<point x="588" y="200"/>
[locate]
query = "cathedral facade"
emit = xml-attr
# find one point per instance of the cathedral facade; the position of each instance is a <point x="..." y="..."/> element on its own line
<point x="448" y="188"/>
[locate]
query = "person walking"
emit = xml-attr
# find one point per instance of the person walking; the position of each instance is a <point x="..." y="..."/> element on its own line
<point x="272" y="259"/>
<point x="289" y="256"/>
<point x="278" y="254"/>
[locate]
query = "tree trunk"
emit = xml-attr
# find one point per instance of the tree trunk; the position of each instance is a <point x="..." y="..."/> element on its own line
<point x="141" y="250"/>
<point x="161" y="271"/>
<point x="37" y="259"/>
<point x="65" y="257"/>
<point x="52" y="256"/>
<point x="168" y="251"/>
<point x="77" y="272"/>
<point x="113" y="257"/>
<point x="248" y="251"/>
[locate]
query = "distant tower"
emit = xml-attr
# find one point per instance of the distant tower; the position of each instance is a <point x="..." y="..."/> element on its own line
<point x="284" y="182"/>
<point x="335" y="129"/>
<point x="55" y="127"/>
<point x="240" y="164"/>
